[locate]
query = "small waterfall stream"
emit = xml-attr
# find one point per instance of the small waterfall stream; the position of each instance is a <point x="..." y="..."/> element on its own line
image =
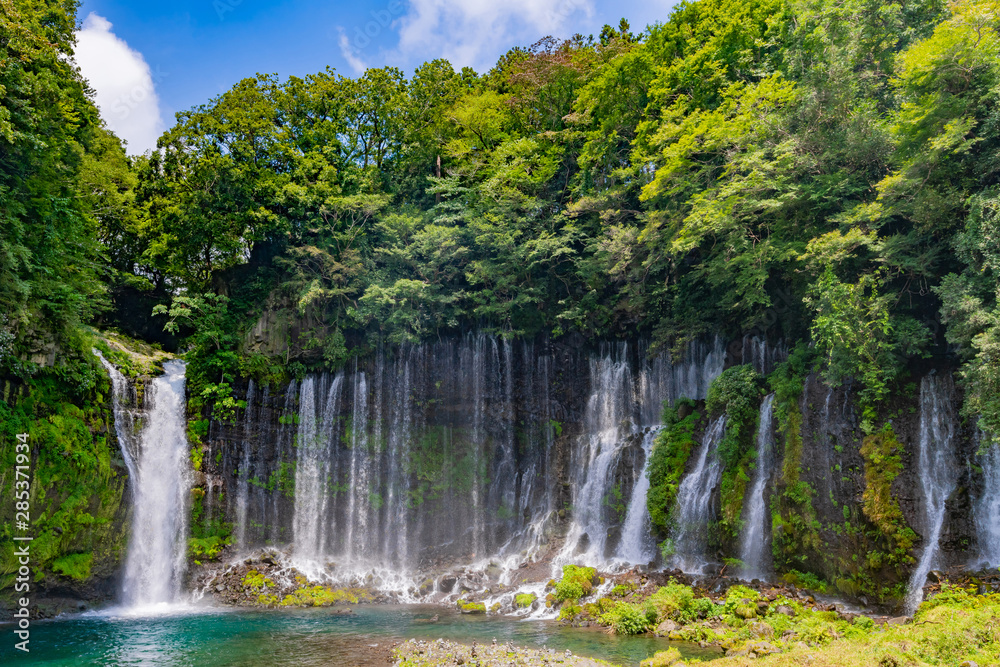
<point x="755" y="542"/>
<point x="937" y="472"/>
<point x="609" y="418"/>
<point x="987" y="507"/>
<point x="243" y="485"/>
<point x="694" y="502"/>
<point x="637" y="545"/>
<point x="123" y="400"/>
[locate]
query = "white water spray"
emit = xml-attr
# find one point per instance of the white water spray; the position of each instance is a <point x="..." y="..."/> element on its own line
<point x="694" y="502"/>
<point x="156" y="554"/>
<point x="937" y="474"/>
<point x="754" y="543"/>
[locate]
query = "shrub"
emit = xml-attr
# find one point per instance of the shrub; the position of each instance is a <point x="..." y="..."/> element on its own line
<point x="569" y="612"/>
<point x="472" y="607"/>
<point x="670" y="601"/>
<point x="576" y="582"/>
<point x="741" y="602"/>
<point x="626" y="619"/>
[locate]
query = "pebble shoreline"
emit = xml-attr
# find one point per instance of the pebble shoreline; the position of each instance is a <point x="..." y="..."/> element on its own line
<point x="419" y="653"/>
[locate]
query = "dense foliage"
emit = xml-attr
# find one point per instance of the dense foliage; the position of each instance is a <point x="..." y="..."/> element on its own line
<point x="821" y="172"/>
<point x="806" y="169"/>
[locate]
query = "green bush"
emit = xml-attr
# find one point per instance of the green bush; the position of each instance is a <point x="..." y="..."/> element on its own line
<point x="737" y="394"/>
<point x="741" y="602"/>
<point x="670" y="601"/>
<point x="671" y="451"/>
<point x="627" y="619"/>
<point x="576" y="582"/>
<point x="569" y="612"/>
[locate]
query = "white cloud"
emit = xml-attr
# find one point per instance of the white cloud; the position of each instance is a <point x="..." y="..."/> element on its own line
<point x="126" y="94"/>
<point x="477" y="32"/>
<point x="351" y="53"/>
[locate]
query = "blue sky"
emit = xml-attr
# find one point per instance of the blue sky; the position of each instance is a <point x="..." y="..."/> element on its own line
<point x="148" y="60"/>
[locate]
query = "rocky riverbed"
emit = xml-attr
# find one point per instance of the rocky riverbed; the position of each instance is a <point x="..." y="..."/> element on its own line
<point x="418" y="653"/>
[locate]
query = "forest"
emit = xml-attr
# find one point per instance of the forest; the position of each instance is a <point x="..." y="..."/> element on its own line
<point x="818" y="172"/>
<point x="821" y="173"/>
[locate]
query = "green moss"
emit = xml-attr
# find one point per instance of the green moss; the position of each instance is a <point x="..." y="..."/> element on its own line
<point x="74" y="566"/>
<point x="671" y="451"/>
<point x="525" y="599"/>
<point x="321" y="596"/>
<point x="77" y="474"/>
<point x="883" y="464"/>
<point x="256" y="581"/>
<point x="471" y="607"/>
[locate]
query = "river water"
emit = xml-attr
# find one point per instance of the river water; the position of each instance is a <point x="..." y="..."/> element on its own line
<point x="193" y="637"/>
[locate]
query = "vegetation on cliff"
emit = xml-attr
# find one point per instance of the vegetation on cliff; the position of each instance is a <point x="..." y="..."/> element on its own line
<point x="820" y="172"/>
<point x="812" y="170"/>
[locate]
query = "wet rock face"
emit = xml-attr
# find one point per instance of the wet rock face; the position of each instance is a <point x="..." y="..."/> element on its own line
<point x="521" y="403"/>
<point x="834" y="467"/>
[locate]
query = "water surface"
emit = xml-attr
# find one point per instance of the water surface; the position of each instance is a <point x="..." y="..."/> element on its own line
<point x="195" y="637"/>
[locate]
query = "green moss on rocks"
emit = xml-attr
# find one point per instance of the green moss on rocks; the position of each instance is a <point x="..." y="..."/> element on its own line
<point x="669" y="458"/>
<point x="525" y="599"/>
<point x="471" y="607"/>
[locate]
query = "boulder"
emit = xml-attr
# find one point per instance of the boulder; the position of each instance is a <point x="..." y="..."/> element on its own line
<point x="665" y="628"/>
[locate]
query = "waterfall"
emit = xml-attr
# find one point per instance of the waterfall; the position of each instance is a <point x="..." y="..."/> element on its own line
<point x="607" y="420"/>
<point x="755" y="542"/>
<point x="156" y="554"/>
<point x="312" y="469"/>
<point x="757" y="352"/>
<point x="937" y="474"/>
<point x="243" y="483"/>
<point x="637" y="544"/>
<point x="664" y="379"/>
<point x="359" y="503"/>
<point x="444" y="452"/>
<point x="987" y="508"/>
<point x="694" y="502"/>
<point x="123" y="399"/>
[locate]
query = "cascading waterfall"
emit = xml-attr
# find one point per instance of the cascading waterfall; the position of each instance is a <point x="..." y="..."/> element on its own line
<point x="445" y="453"/>
<point x="937" y="473"/>
<point x="243" y="485"/>
<point x="156" y="554"/>
<point x="987" y="507"/>
<point x="755" y="542"/>
<point x="609" y="410"/>
<point x="123" y="400"/>
<point x="312" y="469"/>
<point x="637" y="544"/>
<point x="694" y="502"/>
<point x="359" y="504"/>
<point x="664" y="379"/>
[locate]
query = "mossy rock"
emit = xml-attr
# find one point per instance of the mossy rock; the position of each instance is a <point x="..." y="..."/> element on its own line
<point x="662" y="659"/>
<point x="471" y="607"/>
<point x="523" y="600"/>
